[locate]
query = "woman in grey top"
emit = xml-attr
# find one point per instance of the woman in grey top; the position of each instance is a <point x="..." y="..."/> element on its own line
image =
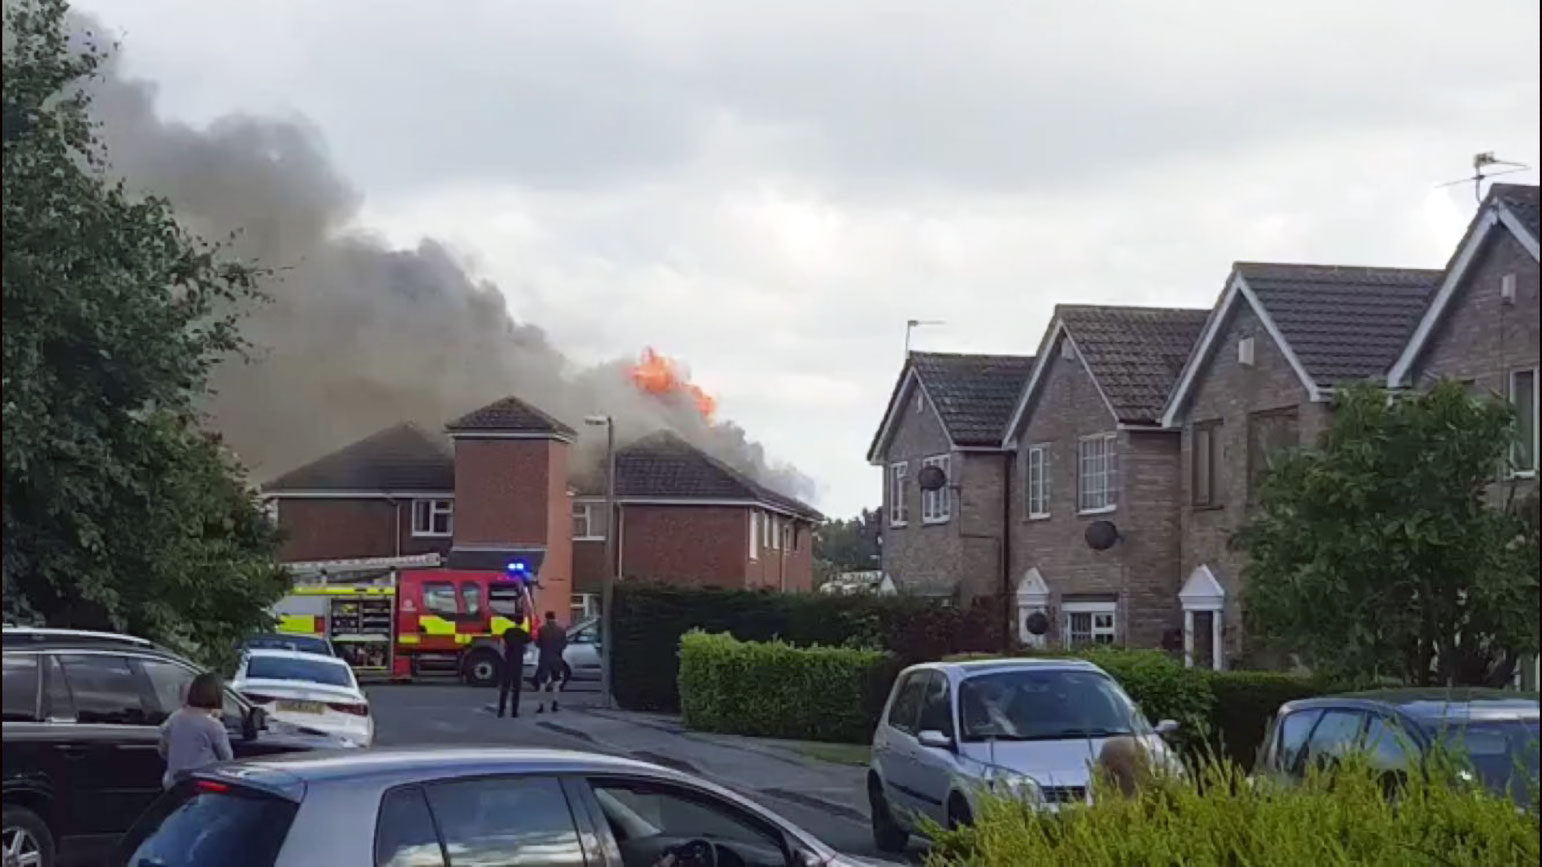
<point x="193" y="737"/>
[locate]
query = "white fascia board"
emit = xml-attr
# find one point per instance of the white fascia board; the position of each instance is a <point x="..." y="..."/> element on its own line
<point x="357" y="495"/>
<point x="1455" y="274"/>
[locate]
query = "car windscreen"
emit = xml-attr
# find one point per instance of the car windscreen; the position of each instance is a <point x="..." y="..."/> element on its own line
<point x="1502" y="753"/>
<point x="1028" y="704"/>
<point x="207" y="822"/>
<point x="301" y="643"/>
<point x="287" y="668"/>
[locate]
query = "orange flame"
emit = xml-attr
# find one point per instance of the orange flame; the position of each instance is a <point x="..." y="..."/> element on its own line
<point x="659" y="374"/>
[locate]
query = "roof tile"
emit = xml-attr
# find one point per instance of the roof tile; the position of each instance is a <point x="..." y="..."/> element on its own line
<point x="1520" y="200"/>
<point x="509" y="415"/>
<point x="974" y="394"/>
<point x="400" y="458"/>
<point x="663" y="466"/>
<point x="1134" y="353"/>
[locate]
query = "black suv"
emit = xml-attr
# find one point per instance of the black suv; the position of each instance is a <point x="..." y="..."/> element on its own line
<point x="82" y="716"/>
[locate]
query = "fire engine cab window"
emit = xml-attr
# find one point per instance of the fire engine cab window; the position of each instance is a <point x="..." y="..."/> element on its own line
<point x="439" y="598"/>
<point x="505" y="599"/>
<point x="471" y="594"/>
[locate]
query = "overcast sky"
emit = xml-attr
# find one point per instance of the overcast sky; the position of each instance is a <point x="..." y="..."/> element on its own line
<point x="769" y="190"/>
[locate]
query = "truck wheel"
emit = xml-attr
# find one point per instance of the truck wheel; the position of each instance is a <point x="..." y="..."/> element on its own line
<point x="25" y="839"/>
<point x="482" y="668"/>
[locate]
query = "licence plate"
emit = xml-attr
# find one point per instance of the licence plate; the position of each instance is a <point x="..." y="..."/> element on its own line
<point x="303" y="706"/>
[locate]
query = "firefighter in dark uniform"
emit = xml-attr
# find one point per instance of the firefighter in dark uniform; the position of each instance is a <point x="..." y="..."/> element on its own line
<point x="515" y="639"/>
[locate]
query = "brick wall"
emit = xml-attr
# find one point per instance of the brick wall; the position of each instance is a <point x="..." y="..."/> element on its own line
<point x="1141" y="570"/>
<point x="556" y="594"/>
<point x="338" y="529"/>
<point x="920" y="557"/>
<point x="503" y="491"/>
<point x="1229" y="392"/>
<point x="980" y="506"/>
<point x="696" y="545"/>
<point x="783" y="568"/>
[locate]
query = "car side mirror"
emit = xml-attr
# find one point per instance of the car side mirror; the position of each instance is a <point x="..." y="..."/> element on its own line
<point x="1167" y="727"/>
<point x="935" y="740"/>
<point x="256" y="720"/>
<point x="805" y="858"/>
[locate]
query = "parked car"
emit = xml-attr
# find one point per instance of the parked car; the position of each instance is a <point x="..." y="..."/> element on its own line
<point x="426" y="806"/>
<point x="1024" y="727"/>
<point x="290" y="641"/>
<point x="1494" y="731"/>
<point x="306" y="689"/>
<point x="82" y="711"/>
<point x="582" y="654"/>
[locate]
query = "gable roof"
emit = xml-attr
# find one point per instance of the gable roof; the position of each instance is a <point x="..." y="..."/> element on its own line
<point x="402" y="457"/>
<point x="510" y="416"/>
<point x="972" y="394"/>
<point x="663" y="467"/>
<point x="1333" y="323"/>
<point x="1511" y="206"/>
<point x="1133" y="355"/>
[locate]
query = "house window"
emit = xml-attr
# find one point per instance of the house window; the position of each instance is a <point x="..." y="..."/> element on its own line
<point x="1270" y="434"/>
<point x="754" y="535"/>
<point x="1038" y="482"/>
<point x="1205" y="463"/>
<point x="1096" y="481"/>
<point x="899" y="510"/>
<point x="433" y="517"/>
<point x="588" y="522"/>
<point x="789" y="536"/>
<point x="1523" y="397"/>
<point x="936" y="506"/>
<point x="1091" y="623"/>
<point x="775" y="523"/>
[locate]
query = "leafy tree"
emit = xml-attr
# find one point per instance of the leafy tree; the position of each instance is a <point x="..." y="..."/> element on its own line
<point x="1391" y="549"/>
<point x="120" y="511"/>
<point x="847" y="545"/>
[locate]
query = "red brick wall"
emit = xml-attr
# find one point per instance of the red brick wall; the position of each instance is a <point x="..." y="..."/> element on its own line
<point x="784" y="569"/>
<point x="503" y="490"/>
<point x="696" y="545"/>
<point x="336" y="529"/>
<point x="557" y="570"/>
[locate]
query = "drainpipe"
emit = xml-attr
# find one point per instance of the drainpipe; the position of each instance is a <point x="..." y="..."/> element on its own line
<point x="1008" y="598"/>
<point x="396" y="537"/>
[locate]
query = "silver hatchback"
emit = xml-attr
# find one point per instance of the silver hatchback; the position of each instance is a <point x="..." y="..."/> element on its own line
<point x="1024" y="727"/>
<point x="434" y="807"/>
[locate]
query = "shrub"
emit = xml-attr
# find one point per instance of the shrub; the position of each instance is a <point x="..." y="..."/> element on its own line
<point x="1244" y="702"/>
<point x="651" y="618"/>
<point x="772" y="689"/>
<point x="1341" y="817"/>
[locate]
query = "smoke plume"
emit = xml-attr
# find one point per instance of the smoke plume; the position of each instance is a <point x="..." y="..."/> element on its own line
<point x="357" y="335"/>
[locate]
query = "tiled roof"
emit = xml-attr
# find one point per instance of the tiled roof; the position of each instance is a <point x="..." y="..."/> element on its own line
<point x="1134" y="353"/>
<point x="663" y="466"/>
<point x="509" y="415"/>
<point x="399" y="458"/>
<point x="1520" y="200"/>
<point x="974" y="394"/>
<point x="1343" y="323"/>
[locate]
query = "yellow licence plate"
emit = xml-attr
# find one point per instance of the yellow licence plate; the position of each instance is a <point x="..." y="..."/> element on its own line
<point x="303" y="706"/>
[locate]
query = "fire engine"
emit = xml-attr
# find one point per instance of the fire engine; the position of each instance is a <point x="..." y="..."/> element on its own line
<point x="419" y="623"/>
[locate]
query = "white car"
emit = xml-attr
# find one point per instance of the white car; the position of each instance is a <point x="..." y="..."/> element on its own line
<point x="582" y="653"/>
<point x="308" y="690"/>
<point x="1029" y="728"/>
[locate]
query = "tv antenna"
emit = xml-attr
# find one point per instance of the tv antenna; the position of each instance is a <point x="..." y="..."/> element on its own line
<point x="913" y="324"/>
<point x="1479" y="163"/>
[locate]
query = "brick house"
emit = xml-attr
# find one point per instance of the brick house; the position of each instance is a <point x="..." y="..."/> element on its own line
<point x="687" y="518"/>
<point x="947" y="410"/>
<point x="1088" y="448"/>
<point x="496" y="484"/>
<point x="1259" y="380"/>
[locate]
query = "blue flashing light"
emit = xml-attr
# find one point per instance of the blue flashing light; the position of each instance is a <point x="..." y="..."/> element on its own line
<point x="517" y="566"/>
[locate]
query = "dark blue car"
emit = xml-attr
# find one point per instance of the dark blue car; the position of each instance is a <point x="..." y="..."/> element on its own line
<point x="1494" y="731"/>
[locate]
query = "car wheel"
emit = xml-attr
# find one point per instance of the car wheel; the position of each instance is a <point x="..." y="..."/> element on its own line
<point x="25" y="841"/>
<point x="959" y="815"/>
<point x="482" y="668"/>
<point x="888" y="836"/>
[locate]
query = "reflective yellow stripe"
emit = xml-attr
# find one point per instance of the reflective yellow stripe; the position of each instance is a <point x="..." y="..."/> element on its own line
<point x="409" y="639"/>
<point x="500" y="624"/>
<point x="463" y="637"/>
<point x="433" y="624"/>
<point x="334" y="590"/>
<point x="299" y="624"/>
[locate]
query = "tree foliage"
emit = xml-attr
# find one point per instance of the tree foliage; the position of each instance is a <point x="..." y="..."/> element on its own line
<point x="120" y="511"/>
<point x="847" y="545"/>
<point x="1393" y="548"/>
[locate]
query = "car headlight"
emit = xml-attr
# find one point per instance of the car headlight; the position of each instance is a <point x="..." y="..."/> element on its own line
<point x="1011" y="784"/>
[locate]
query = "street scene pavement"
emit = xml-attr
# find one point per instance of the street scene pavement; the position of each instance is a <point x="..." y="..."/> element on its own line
<point x="826" y="798"/>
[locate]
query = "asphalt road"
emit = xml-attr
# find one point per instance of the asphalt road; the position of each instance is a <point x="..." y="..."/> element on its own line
<point x="454" y="714"/>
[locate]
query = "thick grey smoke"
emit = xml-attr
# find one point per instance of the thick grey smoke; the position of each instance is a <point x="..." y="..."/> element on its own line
<point x="357" y="335"/>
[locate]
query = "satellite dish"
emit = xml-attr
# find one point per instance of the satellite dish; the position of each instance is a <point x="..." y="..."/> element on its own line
<point x="1037" y="623"/>
<point x="1101" y="535"/>
<point x="931" y="478"/>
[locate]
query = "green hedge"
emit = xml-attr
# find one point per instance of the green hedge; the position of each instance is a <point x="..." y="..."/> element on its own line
<point x="1216" y="818"/>
<point x="1244" y="703"/>
<point x="772" y="689"/>
<point x="651" y="618"/>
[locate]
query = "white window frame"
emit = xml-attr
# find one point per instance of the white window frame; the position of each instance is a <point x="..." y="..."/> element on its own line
<point x="424" y="513"/>
<point x="937" y="506"/>
<point x="1098" y="626"/>
<point x="1108" y="473"/>
<point x="776" y="533"/>
<point x="899" y="509"/>
<point x="1536" y="455"/>
<point x="588" y="510"/>
<point x="1036" y="482"/>
<point x="754" y="535"/>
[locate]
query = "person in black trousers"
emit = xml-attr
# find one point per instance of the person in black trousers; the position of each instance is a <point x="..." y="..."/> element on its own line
<point x="515" y="640"/>
<point x="551" y="640"/>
